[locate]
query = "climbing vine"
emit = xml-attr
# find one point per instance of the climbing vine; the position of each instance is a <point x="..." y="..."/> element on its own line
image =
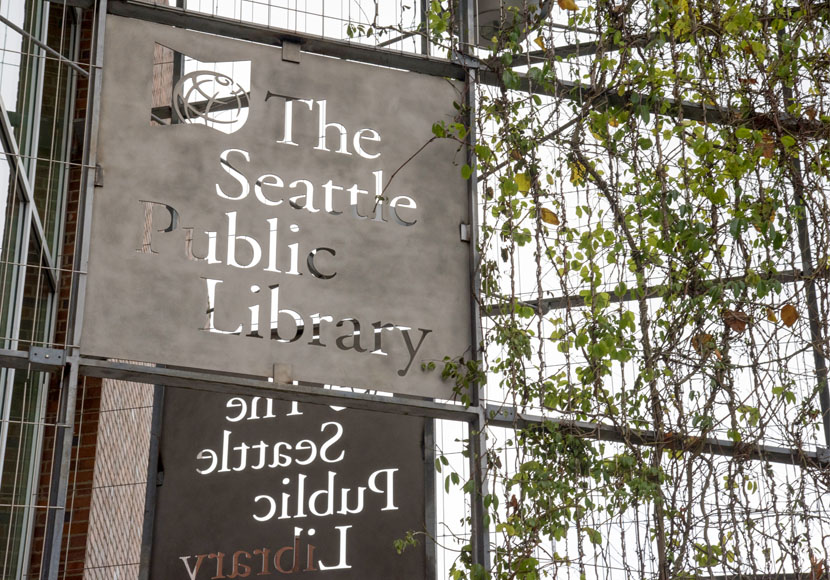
<point x="654" y="256"/>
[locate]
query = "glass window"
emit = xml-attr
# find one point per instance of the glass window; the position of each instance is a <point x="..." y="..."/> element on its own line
<point x="19" y="70"/>
<point x="36" y="93"/>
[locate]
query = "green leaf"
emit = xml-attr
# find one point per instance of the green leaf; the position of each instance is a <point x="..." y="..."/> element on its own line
<point x="510" y="79"/>
<point x="466" y="171"/>
<point x="593" y="535"/>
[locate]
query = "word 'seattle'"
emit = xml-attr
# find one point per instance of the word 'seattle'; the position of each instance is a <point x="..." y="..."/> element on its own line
<point x="294" y="499"/>
<point x="279" y="248"/>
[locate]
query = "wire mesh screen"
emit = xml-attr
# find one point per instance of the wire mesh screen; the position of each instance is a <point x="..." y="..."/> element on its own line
<point x="710" y="463"/>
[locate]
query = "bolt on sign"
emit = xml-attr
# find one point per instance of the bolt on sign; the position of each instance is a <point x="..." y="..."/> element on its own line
<point x="256" y="210"/>
<point x="256" y="487"/>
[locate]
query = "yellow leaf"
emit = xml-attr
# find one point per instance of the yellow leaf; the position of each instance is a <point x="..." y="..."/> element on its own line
<point x="549" y="217"/>
<point x="540" y="42"/>
<point x="614" y="122"/>
<point x="577" y="172"/>
<point x="523" y="182"/>
<point x="789" y="314"/>
<point x="567" y="5"/>
<point x="771" y="316"/>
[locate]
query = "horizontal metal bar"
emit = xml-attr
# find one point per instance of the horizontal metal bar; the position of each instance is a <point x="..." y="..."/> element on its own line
<point x="15" y="359"/>
<point x="643" y="40"/>
<point x="560" y="302"/>
<point x="222" y="383"/>
<point x="495" y="415"/>
<point x="44" y="46"/>
<point x="509" y="417"/>
<point x="267" y="35"/>
<point x="773" y="576"/>
<point x="82" y="4"/>
<point x="703" y="113"/>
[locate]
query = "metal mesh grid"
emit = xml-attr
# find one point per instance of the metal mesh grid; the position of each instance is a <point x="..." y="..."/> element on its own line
<point x="104" y="510"/>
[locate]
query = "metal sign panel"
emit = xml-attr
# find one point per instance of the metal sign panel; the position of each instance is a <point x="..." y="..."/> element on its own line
<point x="257" y="211"/>
<point x="255" y="487"/>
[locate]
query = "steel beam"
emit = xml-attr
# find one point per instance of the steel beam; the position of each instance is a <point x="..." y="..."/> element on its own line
<point x="813" y="312"/>
<point x="559" y="302"/>
<point x="212" y="382"/>
<point x="510" y="418"/>
<point x="773" y="576"/>
<point x="275" y="36"/>
<point x="492" y="415"/>
<point x="82" y="4"/>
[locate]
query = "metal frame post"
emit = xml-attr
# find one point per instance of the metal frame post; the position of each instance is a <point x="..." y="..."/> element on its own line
<point x="808" y="275"/>
<point x="479" y="533"/>
<point x="152" y="483"/>
<point x="69" y="383"/>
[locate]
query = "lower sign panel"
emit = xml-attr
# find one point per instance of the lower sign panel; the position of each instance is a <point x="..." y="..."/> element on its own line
<point x="255" y="487"/>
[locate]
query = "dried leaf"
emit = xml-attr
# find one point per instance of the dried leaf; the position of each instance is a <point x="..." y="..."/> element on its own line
<point x="767" y="146"/>
<point x="771" y="316"/>
<point x="699" y="340"/>
<point x="523" y="182"/>
<point x="817" y="568"/>
<point x="705" y="344"/>
<point x="735" y="319"/>
<point x="549" y="217"/>
<point x="789" y="314"/>
<point x="540" y="42"/>
<point x="567" y="5"/>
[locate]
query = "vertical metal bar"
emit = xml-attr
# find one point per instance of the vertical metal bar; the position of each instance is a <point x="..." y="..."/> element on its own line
<point x="477" y="435"/>
<point x="424" y="27"/>
<point x="76" y="306"/>
<point x="59" y="484"/>
<point x="430" y="501"/>
<point x="809" y="284"/>
<point x="69" y="383"/>
<point x="152" y="483"/>
<point x="812" y="300"/>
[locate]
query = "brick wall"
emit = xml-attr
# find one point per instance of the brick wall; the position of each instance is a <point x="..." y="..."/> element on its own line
<point x="113" y="545"/>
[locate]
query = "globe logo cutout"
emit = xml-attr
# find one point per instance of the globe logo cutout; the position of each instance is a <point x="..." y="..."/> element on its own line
<point x="211" y="98"/>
